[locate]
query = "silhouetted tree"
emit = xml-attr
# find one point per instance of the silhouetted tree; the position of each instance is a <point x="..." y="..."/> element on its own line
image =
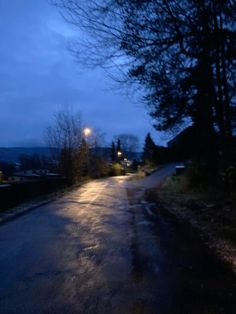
<point x="81" y="162"/>
<point x="181" y="52"/>
<point x="118" y="146"/>
<point x="113" y="152"/>
<point x="119" y="150"/>
<point x="128" y="142"/>
<point x="65" y="138"/>
<point x="149" y="150"/>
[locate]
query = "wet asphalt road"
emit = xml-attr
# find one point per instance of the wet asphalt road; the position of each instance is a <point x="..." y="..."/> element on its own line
<point x="96" y="250"/>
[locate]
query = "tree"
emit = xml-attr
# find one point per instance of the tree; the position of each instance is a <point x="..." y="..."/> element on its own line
<point x="118" y="146"/>
<point x="82" y="159"/>
<point x="129" y="142"/>
<point x="113" y="152"/>
<point x="96" y="138"/>
<point x="176" y="63"/>
<point x="181" y="52"/>
<point x="149" y="150"/>
<point x="65" y="139"/>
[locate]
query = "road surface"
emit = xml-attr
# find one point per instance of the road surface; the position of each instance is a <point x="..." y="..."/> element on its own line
<point x="96" y="250"/>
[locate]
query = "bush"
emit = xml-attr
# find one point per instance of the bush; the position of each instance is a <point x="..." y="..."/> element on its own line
<point x="117" y="170"/>
<point x="197" y="175"/>
<point x="98" y="167"/>
<point x="228" y="176"/>
<point x="175" y="184"/>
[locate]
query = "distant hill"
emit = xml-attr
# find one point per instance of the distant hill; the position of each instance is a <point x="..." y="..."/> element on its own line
<point x="12" y="154"/>
<point x="105" y="152"/>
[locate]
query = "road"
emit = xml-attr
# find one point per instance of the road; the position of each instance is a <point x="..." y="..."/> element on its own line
<point x="98" y="250"/>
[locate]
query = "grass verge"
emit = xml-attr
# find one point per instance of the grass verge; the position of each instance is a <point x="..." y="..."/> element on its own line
<point x="209" y="211"/>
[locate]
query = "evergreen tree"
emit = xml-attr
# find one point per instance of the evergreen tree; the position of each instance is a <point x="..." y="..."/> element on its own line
<point x="113" y="152"/>
<point x="118" y="146"/>
<point x="149" y="150"/>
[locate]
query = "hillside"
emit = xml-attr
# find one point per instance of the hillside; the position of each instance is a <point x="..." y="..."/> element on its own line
<point x="12" y="154"/>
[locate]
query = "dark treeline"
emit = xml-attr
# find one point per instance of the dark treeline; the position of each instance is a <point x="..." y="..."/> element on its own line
<point x="181" y="52"/>
<point x="186" y="55"/>
<point x="35" y="161"/>
<point x="154" y="155"/>
<point x="73" y="153"/>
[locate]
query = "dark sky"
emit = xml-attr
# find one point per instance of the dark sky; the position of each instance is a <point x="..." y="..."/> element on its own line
<point x="39" y="77"/>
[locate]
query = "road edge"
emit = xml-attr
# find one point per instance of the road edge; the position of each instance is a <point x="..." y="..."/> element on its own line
<point x="20" y="210"/>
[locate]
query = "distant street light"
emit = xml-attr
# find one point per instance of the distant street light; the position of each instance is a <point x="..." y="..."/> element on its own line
<point x="119" y="154"/>
<point x="87" y="132"/>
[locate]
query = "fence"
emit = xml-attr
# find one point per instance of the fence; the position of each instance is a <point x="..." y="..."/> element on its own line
<point x="17" y="193"/>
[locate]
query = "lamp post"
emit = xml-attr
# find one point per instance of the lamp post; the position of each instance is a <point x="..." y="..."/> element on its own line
<point x="119" y="154"/>
<point x="85" y="151"/>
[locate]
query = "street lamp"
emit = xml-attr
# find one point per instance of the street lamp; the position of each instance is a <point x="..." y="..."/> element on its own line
<point x="87" y="132"/>
<point x="119" y="154"/>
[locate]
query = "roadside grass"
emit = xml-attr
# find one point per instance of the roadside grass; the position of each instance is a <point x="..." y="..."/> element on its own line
<point x="175" y="184"/>
<point x="210" y="206"/>
<point x="210" y="210"/>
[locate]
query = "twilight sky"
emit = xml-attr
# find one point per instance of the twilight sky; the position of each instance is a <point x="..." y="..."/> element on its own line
<point x="38" y="77"/>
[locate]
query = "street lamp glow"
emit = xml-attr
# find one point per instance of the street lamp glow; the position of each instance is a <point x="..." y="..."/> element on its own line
<point x="119" y="154"/>
<point x="87" y="131"/>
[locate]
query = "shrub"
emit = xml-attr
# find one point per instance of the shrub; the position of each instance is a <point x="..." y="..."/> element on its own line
<point x="197" y="175"/>
<point x="98" y="167"/>
<point x="117" y="170"/>
<point x="228" y="176"/>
